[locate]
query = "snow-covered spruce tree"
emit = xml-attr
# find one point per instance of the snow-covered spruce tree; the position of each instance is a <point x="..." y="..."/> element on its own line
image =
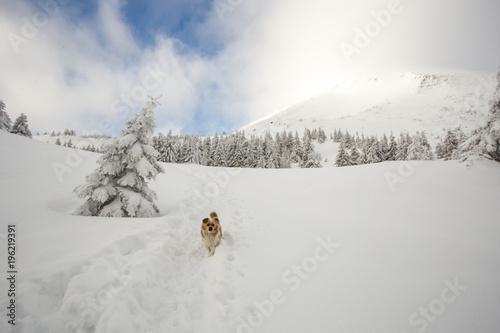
<point x="419" y="149"/>
<point x="384" y="147"/>
<point x="219" y="157"/>
<point x="190" y="150"/>
<point x="473" y="147"/>
<point x="5" y="122"/>
<point x="21" y="126"/>
<point x="402" y="147"/>
<point x="492" y="130"/>
<point x="321" y="136"/>
<point x="354" y="155"/>
<point x="449" y="145"/>
<point x="252" y="158"/>
<point x="118" y="187"/>
<point x="374" y="152"/>
<point x="485" y="140"/>
<point x="343" y="158"/>
<point x="158" y="143"/>
<point x="205" y="151"/>
<point x="296" y="149"/>
<point x="270" y="152"/>
<point x="241" y="152"/>
<point x="392" y="150"/>
<point x="310" y="158"/>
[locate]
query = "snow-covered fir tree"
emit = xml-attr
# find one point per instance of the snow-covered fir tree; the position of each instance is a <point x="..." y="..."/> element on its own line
<point x="118" y="187"/>
<point x="403" y="144"/>
<point x="5" y="122"/>
<point x="159" y="143"/>
<point x="20" y="126"/>
<point x="449" y="147"/>
<point x="321" y="136"/>
<point x="296" y="149"/>
<point x="354" y="155"/>
<point x="374" y="152"/>
<point x="492" y="129"/>
<point x="485" y="140"/>
<point x="241" y="151"/>
<point x="392" y="149"/>
<point x="473" y="147"/>
<point x="419" y="149"/>
<point x="310" y="159"/>
<point x="205" y="151"/>
<point x="252" y="158"/>
<point x="343" y="158"/>
<point x="219" y="158"/>
<point x="213" y="159"/>
<point x="190" y="150"/>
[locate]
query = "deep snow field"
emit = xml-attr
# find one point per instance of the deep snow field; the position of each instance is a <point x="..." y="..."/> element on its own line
<point x="390" y="247"/>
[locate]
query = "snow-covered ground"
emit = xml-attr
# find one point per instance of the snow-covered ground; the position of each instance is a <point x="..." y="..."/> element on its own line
<point x="391" y="247"/>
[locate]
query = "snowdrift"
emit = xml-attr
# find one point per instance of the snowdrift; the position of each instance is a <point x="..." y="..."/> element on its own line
<point x="390" y="247"/>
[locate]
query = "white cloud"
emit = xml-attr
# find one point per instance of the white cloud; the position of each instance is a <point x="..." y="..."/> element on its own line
<point x="90" y="73"/>
<point x="74" y="74"/>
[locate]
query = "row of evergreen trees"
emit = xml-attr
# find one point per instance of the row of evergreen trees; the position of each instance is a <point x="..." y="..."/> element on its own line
<point x="70" y="144"/>
<point x="483" y="142"/>
<point x="20" y="125"/>
<point x="236" y="150"/>
<point x="357" y="151"/>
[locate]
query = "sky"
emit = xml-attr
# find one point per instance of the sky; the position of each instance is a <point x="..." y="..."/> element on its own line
<point x="220" y="64"/>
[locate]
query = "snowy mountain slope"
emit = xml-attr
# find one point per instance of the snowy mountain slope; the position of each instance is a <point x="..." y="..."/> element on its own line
<point x="373" y="106"/>
<point x="77" y="141"/>
<point x="322" y="250"/>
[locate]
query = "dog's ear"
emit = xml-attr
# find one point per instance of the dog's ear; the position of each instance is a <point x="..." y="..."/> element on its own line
<point x="206" y="219"/>
<point x="213" y="214"/>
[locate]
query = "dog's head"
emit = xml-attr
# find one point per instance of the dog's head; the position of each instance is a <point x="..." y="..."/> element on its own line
<point x="210" y="225"/>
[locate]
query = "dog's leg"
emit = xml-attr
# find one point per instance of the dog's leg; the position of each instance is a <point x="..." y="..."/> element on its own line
<point x="211" y="251"/>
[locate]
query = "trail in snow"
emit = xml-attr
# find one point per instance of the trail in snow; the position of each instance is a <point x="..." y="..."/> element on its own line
<point x="163" y="281"/>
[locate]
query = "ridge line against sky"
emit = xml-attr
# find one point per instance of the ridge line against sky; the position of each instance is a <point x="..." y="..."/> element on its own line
<point x="89" y="65"/>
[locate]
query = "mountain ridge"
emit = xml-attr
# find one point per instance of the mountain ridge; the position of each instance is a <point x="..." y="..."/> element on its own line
<point x="409" y="101"/>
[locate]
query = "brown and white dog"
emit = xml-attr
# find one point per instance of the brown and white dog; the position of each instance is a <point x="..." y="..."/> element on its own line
<point x="211" y="232"/>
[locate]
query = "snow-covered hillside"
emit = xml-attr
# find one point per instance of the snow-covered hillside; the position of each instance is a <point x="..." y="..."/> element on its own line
<point x="376" y="105"/>
<point x="389" y="247"/>
<point x="76" y="141"/>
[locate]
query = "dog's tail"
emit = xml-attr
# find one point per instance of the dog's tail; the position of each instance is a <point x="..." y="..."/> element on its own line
<point x="213" y="215"/>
